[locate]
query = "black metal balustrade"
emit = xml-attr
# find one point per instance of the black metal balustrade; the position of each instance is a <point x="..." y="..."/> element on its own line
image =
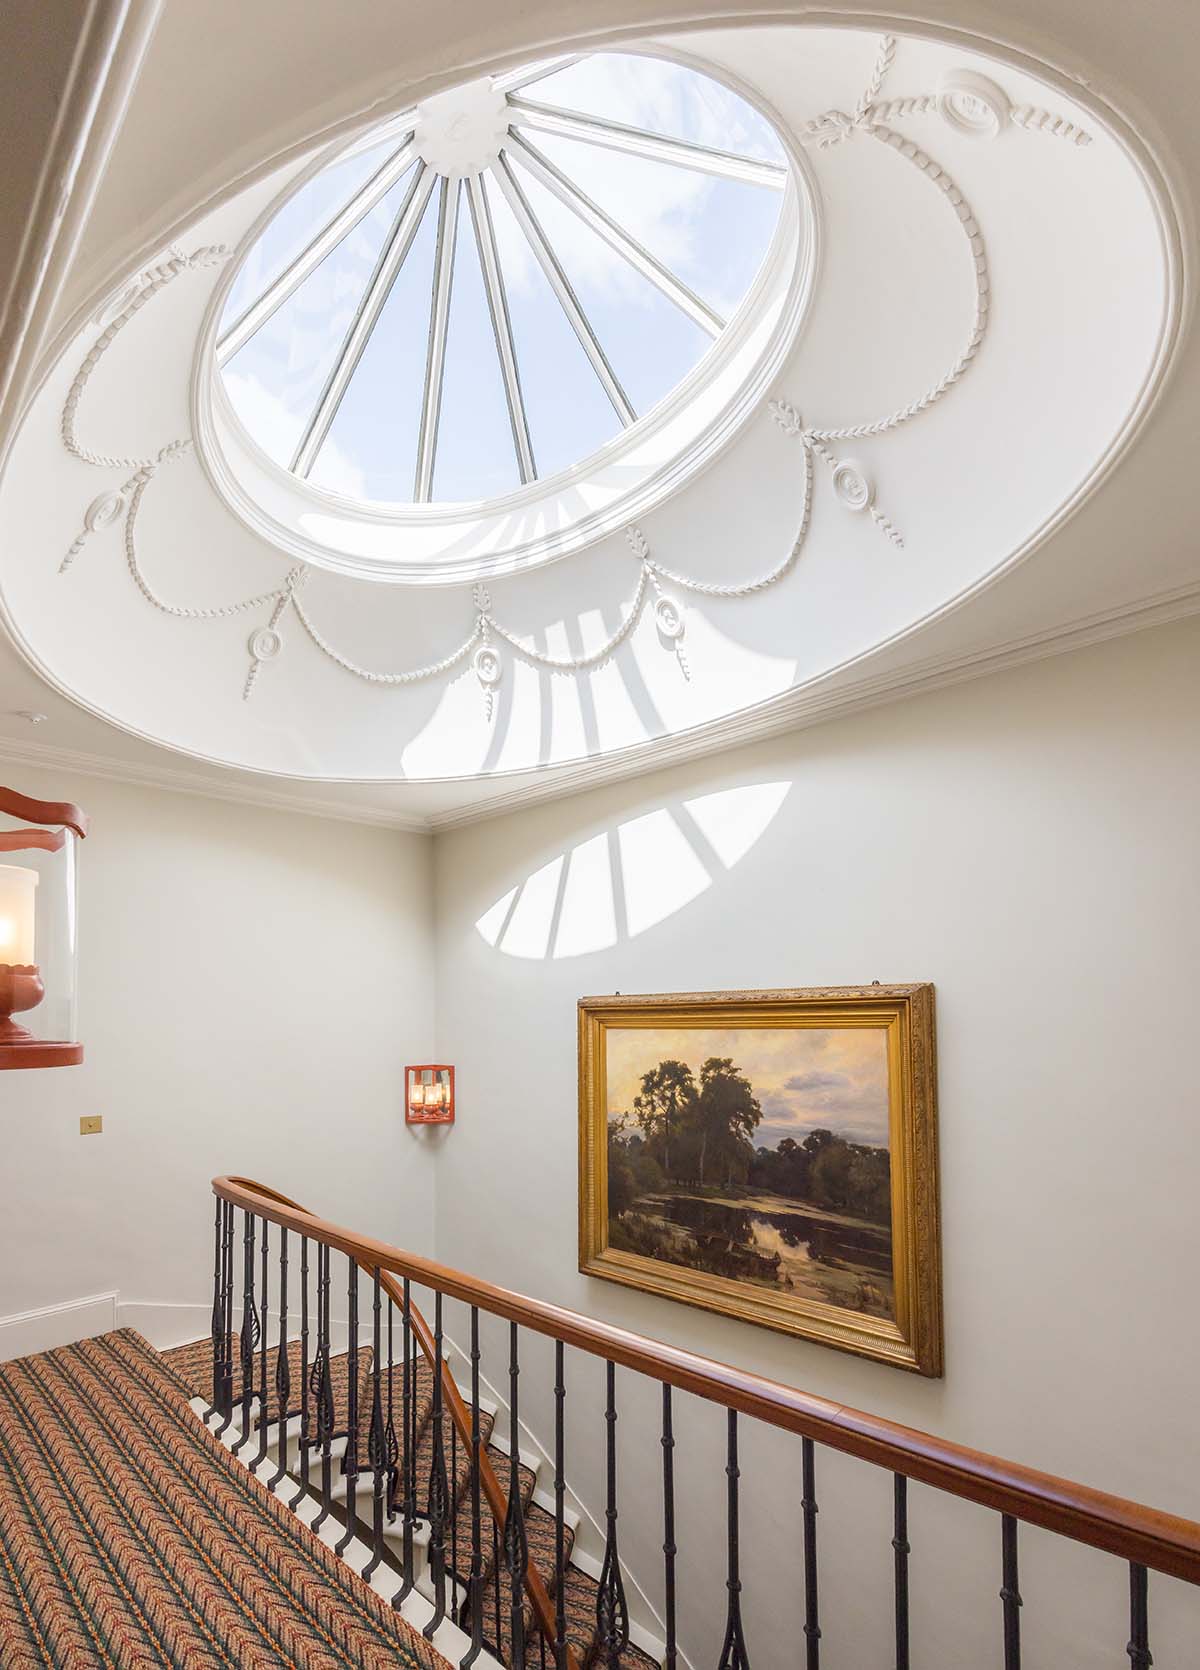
<point x="468" y="1566"/>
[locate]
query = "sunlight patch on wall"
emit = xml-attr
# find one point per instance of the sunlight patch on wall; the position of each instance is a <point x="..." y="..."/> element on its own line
<point x="661" y="869"/>
<point x="619" y="883"/>
<point x="534" y="909"/>
<point x="733" y="819"/>
<point x="589" y="913"/>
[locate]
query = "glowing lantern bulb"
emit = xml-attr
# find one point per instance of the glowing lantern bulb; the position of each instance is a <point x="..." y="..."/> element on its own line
<point x="18" y="890"/>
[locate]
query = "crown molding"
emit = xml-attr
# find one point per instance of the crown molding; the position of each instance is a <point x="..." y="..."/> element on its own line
<point x="814" y="704"/>
<point x="46" y="757"/>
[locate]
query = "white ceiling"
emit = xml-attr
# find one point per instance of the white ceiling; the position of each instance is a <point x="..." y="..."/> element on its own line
<point x="973" y="484"/>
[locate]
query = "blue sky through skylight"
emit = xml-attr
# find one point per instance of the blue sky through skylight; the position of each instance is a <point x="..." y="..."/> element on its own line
<point x="710" y="232"/>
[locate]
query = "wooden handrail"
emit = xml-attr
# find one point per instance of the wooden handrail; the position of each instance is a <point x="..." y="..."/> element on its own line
<point x="1160" y="1541"/>
<point x="289" y="1214"/>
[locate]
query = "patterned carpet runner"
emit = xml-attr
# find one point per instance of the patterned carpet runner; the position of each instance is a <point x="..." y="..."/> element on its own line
<point x="129" y="1537"/>
<point x="194" y="1364"/>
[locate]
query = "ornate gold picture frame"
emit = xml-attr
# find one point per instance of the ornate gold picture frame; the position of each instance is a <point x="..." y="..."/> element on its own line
<point x="769" y="1155"/>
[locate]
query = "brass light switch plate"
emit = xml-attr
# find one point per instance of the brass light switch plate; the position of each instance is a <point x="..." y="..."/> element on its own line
<point x="91" y="1125"/>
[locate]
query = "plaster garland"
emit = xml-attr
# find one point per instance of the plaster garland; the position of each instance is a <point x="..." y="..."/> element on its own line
<point x="968" y="103"/>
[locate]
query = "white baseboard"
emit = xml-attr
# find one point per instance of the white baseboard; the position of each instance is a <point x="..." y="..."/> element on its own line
<point x="51" y="1325"/>
<point x="165" y="1323"/>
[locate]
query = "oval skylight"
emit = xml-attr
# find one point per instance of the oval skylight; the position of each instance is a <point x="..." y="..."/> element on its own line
<point x="501" y="285"/>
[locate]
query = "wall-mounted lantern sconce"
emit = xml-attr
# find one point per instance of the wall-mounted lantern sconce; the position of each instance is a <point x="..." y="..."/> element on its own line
<point x="39" y="849"/>
<point x="429" y="1095"/>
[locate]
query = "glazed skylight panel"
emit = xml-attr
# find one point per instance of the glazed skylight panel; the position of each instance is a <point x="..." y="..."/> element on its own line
<point x="559" y="214"/>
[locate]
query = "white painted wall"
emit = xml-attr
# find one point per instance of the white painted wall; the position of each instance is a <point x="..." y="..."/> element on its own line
<point x="1027" y="842"/>
<point x="251" y="985"/>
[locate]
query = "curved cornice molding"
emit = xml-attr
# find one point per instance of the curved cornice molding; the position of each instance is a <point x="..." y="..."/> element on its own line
<point x="811" y="705"/>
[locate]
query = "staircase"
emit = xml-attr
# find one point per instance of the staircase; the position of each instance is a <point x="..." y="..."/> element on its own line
<point x="299" y="1479"/>
<point x="432" y="1509"/>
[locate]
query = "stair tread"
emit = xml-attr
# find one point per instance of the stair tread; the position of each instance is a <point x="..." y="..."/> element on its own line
<point x="193" y="1364"/>
<point x="488" y="1543"/>
<point x="457" y="1456"/>
<point x="420" y="1391"/>
<point x="541" y="1539"/>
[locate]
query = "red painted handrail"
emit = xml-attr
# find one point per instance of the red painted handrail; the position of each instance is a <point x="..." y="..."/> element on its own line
<point x="43" y="811"/>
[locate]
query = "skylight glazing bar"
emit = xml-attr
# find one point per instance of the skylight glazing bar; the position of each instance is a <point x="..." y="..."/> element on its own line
<point x="391" y="259"/>
<point x="561" y="285"/>
<point x="310" y="258"/>
<point x="435" y="359"/>
<point x="506" y="352"/>
<point x="654" y="147"/>
<point x="626" y="246"/>
<point x="526" y="74"/>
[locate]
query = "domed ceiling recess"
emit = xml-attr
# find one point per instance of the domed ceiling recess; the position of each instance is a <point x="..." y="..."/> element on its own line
<point x="587" y="403"/>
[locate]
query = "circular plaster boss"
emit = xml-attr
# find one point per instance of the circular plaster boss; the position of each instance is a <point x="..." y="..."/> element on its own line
<point x="460" y="132"/>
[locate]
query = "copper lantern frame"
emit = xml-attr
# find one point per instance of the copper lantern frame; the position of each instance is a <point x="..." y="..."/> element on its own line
<point x="429" y="1094"/>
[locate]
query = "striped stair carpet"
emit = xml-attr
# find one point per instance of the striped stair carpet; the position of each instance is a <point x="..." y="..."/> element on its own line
<point x="193" y="1363"/>
<point x="130" y="1537"/>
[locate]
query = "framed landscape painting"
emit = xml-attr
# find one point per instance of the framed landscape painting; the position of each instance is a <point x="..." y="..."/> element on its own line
<point x="769" y="1155"/>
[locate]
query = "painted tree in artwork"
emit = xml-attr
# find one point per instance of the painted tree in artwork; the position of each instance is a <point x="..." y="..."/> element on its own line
<point x="727" y="1115"/>
<point x="667" y="1097"/>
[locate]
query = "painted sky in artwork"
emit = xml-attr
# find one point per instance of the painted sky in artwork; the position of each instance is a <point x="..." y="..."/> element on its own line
<point x="806" y="1078"/>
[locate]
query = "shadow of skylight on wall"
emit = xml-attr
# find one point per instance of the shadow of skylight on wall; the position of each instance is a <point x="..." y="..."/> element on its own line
<point x="626" y="879"/>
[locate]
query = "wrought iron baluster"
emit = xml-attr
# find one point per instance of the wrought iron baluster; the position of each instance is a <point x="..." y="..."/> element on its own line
<point x="302" y="1443"/>
<point x="902" y="1549"/>
<point x="262" y="1361"/>
<point x="516" y="1543"/>
<point x="451" y="1505"/>
<point x="408" y="1465"/>
<point x="222" y="1309"/>
<point x="612" y="1612"/>
<point x="497" y="1605"/>
<point x="1010" y="1594"/>
<point x="227" y="1386"/>
<point x="669" y="1548"/>
<point x="415" y="1515"/>
<point x="283" y="1367"/>
<point x="322" y="1387"/>
<point x="392" y="1451"/>
<point x="733" y="1653"/>
<point x="1139" y="1620"/>
<point x="377" y="1456"/>
<point x="560" y="1521"/>
<point x="475" y="1582"/>
<point x="438" y="1499"/>
<point x="808" y="1505"/>
<point x="217" y="1326"/>
<point x="250" y="1329"/>
<point x="350" y="1467"/>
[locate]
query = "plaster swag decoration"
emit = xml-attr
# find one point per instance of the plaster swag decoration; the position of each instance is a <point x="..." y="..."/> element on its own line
<point x="967" y="102"/>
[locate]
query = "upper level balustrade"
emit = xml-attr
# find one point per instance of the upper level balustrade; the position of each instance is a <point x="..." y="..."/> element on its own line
<point x="490" y="1536"/>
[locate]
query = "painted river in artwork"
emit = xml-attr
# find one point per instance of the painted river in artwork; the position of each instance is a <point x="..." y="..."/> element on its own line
<point x="769" y="1239"/>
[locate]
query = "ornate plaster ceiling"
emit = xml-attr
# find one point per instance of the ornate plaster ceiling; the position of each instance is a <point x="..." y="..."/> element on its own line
<point x="991" y="314"/>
